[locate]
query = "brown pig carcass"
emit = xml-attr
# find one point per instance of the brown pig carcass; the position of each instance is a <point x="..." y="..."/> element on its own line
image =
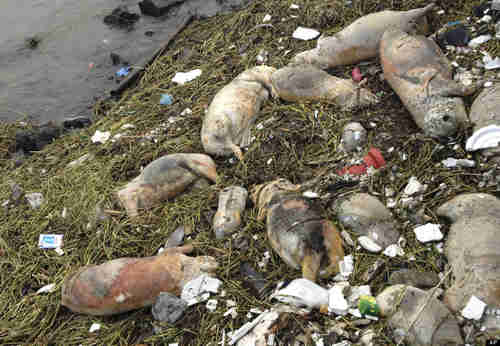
<point x="126" y="284"/>
<point x="421" y="76"/>
<point x="308" y="83"/>
<point x="226" y="127"/>
<point x="360" y="40"/>
<point x="296" y="230"/>
<point x="165" y="178"/>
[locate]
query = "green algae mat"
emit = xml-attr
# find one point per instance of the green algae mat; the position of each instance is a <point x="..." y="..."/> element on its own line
<point x="296" y="141"/>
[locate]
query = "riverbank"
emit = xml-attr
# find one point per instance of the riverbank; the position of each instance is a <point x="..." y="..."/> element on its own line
<point x="299" y="141"/>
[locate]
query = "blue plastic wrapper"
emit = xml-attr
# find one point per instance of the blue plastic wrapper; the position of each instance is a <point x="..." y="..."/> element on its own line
<point x="166" y="99"/>
<point x="123" y="71"/>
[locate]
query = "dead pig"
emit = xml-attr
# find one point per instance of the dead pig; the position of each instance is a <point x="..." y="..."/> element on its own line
<point x="485" y="115"/>
<point x="296" y="230"/>
<point x="423" y="318"/>
<point x="421" y="76"/>
<point x="472" y="248"/>
<point x="233" y="111"/>
<point x="165" y="178"/>
<point x="232" y="202"/>
<point x="360" y="40"/>
<point x="308" y="83"/>
<point x="131" y="283"/>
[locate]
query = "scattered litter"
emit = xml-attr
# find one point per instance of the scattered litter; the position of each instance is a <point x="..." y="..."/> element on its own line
<point x="59" y="251"/>
<point x="310" y="194"/>
<point x="452" y="163"/>
<point x="475" y="42"/>
<point x="357" y="292"/>
<point x="198" y="289"/>
<point x="373" y="159"/>
<point x="492" y="64"/>
<point x="474" y="309"/>
<point x="484" y="138"/>
<point x="46" y="289"/>
<point x="303" y="293"/>
<point x="168" y="307"/>
<point x="184" y="77"/>
<point x="211" y="305"/>
<point x="166" y="99"/>
<point x="414" y="187"/>
<point x="346" y="266"/>
<point x="50" y="241"/>
<point x="488" y="84"/>
<point x="123" y="71"/>
<point x="265" y="260"/>
<point x="267" y="18"/>
<point x="94" y="327"/>
<point x="305" y="34"/>
<point x="35" y="199"/>
<point x="294" y="7"/>
<point x="337" y="304"/>
<point x="428" y="232"/>
<point x="368" y="306"/>
<point x="393" y="250"/>
<point x="368" y="244"/>
<point x="486" y="19"/>
<point x="100" y="137"/>
<point x="266" y="319"/>
<point x="187" y="111"/>
<point x="262" y="57"/>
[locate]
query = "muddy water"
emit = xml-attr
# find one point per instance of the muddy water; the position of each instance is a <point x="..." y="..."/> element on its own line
<point x="54" y="80"/>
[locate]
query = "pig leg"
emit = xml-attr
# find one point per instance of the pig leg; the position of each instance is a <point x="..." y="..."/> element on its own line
<point x="310" y="266"/>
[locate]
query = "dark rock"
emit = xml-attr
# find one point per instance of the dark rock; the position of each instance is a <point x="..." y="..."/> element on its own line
<point x="148" y="7"/>
<point x="36" y="138"/>
<point x="77" y="122"/>
<point x="121" y="18"/>
<point x="168" y="308"/>
<point x="414" y="278"/>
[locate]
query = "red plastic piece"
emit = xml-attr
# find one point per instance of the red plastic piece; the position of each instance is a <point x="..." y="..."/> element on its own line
<point x="356" y="74"/>
<point x="373" y="159"/>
